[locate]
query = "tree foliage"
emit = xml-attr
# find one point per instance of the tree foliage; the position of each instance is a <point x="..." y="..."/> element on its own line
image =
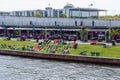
<point x="44" y="32"/>
<point x="37" y="14"/>
<point x="17" y="32"/>
<point x="84" y="33"/>
<point x="62" y="15"/>
<point x="109" y="17"/>
<point x="113" y="32"/>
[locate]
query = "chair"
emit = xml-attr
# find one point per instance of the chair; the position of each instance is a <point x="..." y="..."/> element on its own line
<point x="68" y="45"/>
<point x="75" y="46"/>
<point x="83" y="53"/>
<point x="72" y="44"/>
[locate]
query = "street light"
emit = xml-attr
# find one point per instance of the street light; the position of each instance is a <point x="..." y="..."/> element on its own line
<point x="19" y="26"/>
<point x="81" y="24"/>
<point x="90" y="5"/>
<point x="14" y="31"/>
<point x="110" y="31"/>
<point x="60" y="30"/>
<point x="45" y="29"/>
<point x="4" y="28"/>
<point x="33" y="28"/>
<point x="93" y="23"/>
<point x="79" y="13"/>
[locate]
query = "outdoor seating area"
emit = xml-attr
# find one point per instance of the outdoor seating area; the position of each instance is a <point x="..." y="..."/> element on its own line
<point x="59" y="46"/>
<point x="55" y="48"/>
<point x="43" y="46"/>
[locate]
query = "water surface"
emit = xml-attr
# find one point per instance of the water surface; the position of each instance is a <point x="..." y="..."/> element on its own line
<point x="16" y="68"/>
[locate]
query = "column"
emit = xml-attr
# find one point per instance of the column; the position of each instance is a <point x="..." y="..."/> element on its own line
<point x="43" y="13"/>
<point x="105" y="36"/>
<point x="58" y="13"/>
<point x="19" y="32"/>
<point x="81" y="37"/>
<point x="28" y="32"/>
<point x="77" y="34"/>
<point x="8" y="33"/>
<point x="14" y="32"/>
<point x="109" y="34"/>
<point x="87" y="36"/>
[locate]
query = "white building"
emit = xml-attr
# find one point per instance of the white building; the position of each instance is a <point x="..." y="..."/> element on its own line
<point x="4" y="13"/>
<point x="68" y="9"/>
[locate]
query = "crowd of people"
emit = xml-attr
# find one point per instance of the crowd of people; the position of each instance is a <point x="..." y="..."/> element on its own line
<point x="59" y="46"/>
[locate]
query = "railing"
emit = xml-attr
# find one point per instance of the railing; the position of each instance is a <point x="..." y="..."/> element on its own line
<point x="19" y="21"/>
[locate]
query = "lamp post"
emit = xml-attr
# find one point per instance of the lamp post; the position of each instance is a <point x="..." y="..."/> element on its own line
<point x="81" y="24"/>
<point x="14" y="31"/>
<point x="60" y="30"/>
<point x="19" y="26"/>
<point x="4" y="28"/>
<point x="79" y="13"/>
<point x="33" y="28"/>
<point x="110" y="31"/>
<point x="46" y="31"/>
<point x="90" y="5"/>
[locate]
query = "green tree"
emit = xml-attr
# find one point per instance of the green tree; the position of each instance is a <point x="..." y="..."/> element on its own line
<point x="113" y="32"/>
<point x="84" y="34"/>
<point x="62" y="15"/>
<point x="17" y="32"/>
<point x="109" y="17"/>
<point x="37" y="14"/>
<point x="44" y="32"/>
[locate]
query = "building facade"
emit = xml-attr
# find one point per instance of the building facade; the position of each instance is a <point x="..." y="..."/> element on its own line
<point x="68" y="9"/>
<point x="70" y="26"/>
<point x="4" y="13"/>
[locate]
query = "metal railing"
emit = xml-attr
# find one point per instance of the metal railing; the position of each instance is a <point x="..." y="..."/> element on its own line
<point x="18" y="21"/>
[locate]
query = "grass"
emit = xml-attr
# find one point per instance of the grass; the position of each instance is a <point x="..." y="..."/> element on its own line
<point x="17" y="43"/>
<point x="113" y="51"/>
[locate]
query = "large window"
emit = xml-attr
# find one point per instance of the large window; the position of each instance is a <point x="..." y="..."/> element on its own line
<point x="75" y="14"/>
<point x="16" y="14"/>
<point x="85" y="14"/>
<point x="28" y="13"/>
<point x="55" y="12"/>
<point x="46" y="14"/>
<point x="89" y="13"/>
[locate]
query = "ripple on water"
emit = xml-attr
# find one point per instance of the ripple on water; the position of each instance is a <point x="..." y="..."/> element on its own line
<point x="16" y="68"/>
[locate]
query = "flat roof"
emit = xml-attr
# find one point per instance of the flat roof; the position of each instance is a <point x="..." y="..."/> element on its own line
<point x="56" y="29"/>
<point x="86" y="9"/>
<point x="42" y="29"/>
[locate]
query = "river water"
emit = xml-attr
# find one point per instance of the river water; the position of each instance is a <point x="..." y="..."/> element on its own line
<point x="16" y="68"/>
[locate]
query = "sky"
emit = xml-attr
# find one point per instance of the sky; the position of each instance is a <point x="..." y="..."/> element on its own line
<point x="112" y="6"/>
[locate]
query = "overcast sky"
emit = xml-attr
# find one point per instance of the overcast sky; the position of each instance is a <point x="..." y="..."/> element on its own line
<point x="113" y="6"/>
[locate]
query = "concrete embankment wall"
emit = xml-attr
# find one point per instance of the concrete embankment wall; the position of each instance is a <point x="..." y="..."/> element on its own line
<point x="62" y="57"/>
